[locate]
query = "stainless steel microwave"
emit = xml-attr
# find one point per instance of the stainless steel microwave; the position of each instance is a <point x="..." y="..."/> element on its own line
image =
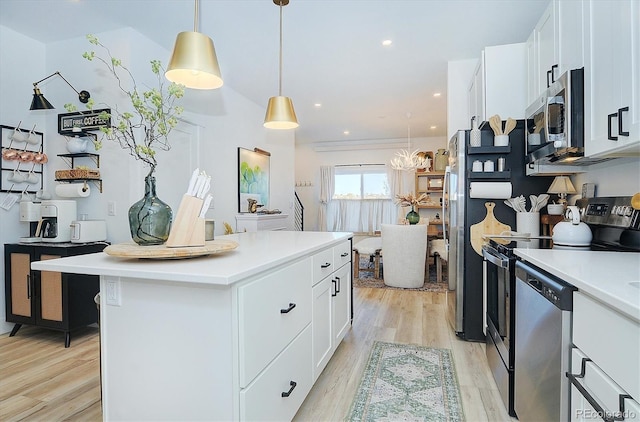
<point x="555" y="122"/>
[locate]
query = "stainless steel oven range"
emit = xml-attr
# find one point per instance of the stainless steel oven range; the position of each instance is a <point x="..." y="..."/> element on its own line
<point x="615" y="226"/>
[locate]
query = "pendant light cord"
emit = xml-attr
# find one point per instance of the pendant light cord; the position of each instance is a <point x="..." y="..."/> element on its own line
<point x="280" y="71"/>
<point x="195" y="17"/>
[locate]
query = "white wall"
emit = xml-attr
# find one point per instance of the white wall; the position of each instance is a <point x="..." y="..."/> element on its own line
<point x="308" y="162"/>
<point x="223" y="120"/>
<point x="619" y="177"/>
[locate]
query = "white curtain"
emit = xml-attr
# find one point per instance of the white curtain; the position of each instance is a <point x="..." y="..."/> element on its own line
<point x="396" y="187"/>
<point x="362" y="216"/>
<point x="327" y="187"/>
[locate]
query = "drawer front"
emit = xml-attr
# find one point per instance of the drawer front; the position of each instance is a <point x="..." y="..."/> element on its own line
<point x="272" y="311"/>
<point x="342" y="254"/>
<point x="610" y="339"/>
<point x="323" y="265"/>
<point x="598" y="385"/>
<point x="272" y="224"/>
<point x="263" y="400"/>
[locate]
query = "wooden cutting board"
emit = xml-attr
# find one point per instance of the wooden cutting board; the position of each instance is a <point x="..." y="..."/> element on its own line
<point x="490" y="225"/>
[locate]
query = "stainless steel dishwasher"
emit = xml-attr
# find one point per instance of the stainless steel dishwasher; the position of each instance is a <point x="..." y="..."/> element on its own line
<point x="542" y="345"/>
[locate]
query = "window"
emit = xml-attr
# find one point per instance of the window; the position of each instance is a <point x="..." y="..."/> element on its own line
<point x="361" y="201"/>
<point x="362" y="182"/>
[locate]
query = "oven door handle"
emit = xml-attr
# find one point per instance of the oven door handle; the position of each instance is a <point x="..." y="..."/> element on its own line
<point x="502" y="263"/>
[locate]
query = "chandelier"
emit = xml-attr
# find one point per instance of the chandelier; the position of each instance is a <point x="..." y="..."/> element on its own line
<point x="410" y="161"/>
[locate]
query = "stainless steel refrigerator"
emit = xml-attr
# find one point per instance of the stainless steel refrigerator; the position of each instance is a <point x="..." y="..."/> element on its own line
<point x="466" y="299"/>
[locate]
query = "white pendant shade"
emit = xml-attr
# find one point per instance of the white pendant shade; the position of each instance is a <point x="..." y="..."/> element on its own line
<point x="194" y="63"/>
<point x="280" y="114"/>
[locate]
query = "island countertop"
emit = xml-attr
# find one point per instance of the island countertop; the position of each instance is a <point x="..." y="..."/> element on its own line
<point x="612" y="278"/>
<point x="257" y="251"/>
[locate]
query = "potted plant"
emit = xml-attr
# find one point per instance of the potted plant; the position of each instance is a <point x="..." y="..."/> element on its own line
<point x="142" y="129"/>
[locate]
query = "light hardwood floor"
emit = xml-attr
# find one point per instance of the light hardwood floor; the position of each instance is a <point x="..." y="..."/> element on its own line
<point x="40" y="380"/>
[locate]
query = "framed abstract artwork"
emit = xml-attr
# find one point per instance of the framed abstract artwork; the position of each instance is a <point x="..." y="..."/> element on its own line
<point x="253" y="177"/>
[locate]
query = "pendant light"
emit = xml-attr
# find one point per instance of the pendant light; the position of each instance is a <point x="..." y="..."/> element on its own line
<point x="193" y="62"/>
<point x="407" y="160"/>
<point x="280" y="113"/>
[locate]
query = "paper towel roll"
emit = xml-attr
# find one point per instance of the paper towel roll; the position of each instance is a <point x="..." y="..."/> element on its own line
<point x="73" y="190"/>
<point x="490" y="190"/>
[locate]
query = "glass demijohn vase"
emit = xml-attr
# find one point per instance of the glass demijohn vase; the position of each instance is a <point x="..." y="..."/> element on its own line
<point x="150" y="218"/>
<point x="413" y="217"/>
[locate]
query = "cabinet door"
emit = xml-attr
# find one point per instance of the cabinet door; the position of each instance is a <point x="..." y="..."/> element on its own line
<point x="20" y="285"/>
<point x="341" y="303"/>
<point x="546" y="31"/>
<point x="322" y="346"/>
<point x="611" y="76"/>
<point x="570" y="40"/>
<point x="533" y="90"/>
<point x="50" y="293"/>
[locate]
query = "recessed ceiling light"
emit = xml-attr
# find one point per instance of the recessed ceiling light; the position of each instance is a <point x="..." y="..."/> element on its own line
<point x="387" y="43"/>
<point x="437" y="94"/>
<point x="317" y="105"/>
<point x="346" y="132"/>
<point x="434" y="127"/>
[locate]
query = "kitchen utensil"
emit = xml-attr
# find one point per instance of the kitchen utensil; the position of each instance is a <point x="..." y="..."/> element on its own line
<point x="496" y="124"/>
<point x="572" y="232"/>
<point x="520" y="204"/>
<point x="509" y="203"/>
<point x="542" y="201"/>
<point x="534" y="203"/>
<point x="509" y="126"/>
<point x="489" y="226"/>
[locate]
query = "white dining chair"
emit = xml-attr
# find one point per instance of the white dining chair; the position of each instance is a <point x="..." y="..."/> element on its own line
<point x="404" y="251"/>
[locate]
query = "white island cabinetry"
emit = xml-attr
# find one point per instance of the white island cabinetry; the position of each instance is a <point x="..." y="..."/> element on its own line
<point x="224" y="337"/>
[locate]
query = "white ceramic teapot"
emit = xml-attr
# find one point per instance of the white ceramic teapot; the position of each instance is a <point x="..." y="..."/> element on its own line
<point x="77" y="145"/>
<point x="572" y="232"/>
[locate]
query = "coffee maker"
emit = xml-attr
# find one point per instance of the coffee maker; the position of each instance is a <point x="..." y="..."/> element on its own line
<point x="30" y="213"/>
<point x="55" y="223"/>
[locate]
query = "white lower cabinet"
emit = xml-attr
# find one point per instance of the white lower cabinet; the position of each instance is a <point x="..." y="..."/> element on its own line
<point x="605" y="371"/>
<point x="277" y="393"/>
<point x="595" y="396"/>
<point x="322" y="336"/>
<point x="331" y="305"/>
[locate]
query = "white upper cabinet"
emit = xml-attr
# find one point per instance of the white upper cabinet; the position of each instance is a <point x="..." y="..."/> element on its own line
<point x="612" y="78"/>
<point x="499" y="84"/>
<point x="555" y="45"/>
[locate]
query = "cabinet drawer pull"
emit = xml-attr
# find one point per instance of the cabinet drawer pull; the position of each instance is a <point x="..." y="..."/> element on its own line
<point x="344" y="255"/>
<point x="286" y="311"/>
<point x="28" y="286"/>
<point x="338" y="285"/>
<point x="620" y="131"/>
<point x="553" y="73"/>
<point x="335" y="288"/>
<point x="605" y="414"/>
<point x="288" y="393"/>
<point x="325" y="265"/>
<point x="548" y="83"/>
<point x="609" y="135"/>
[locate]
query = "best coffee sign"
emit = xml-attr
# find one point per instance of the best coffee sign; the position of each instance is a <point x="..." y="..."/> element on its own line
<point x="86" y="121"/>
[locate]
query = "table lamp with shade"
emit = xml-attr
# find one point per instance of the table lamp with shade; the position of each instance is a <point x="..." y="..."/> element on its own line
<point x="562" y="186"/>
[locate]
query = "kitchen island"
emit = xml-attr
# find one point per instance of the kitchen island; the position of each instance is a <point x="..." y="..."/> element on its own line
<point x="605" y="370"/>
<point x="240" y="335"/>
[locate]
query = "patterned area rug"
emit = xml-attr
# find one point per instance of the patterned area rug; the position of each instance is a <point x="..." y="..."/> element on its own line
<point x="366" y="279"/>
<point x="404" y="382"/>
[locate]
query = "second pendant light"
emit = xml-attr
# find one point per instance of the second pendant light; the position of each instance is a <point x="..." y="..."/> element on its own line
<point x="280" y="113"/>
